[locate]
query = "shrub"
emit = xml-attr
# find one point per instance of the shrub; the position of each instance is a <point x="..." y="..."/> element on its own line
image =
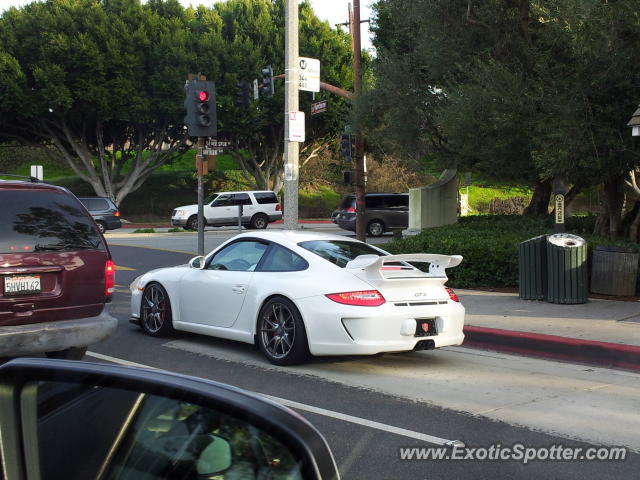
<point x="489" y="245"/>
<point x="144" y="230"/>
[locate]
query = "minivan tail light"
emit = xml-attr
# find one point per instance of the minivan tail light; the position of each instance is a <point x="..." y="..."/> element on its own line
<point x="278" y="207"/>
<point x="363" y="298"/>
<point x="109" y="278"/>
<point x="116" y="213"/>
<point x="452" y="295"/>
<point x="350" y="210"/>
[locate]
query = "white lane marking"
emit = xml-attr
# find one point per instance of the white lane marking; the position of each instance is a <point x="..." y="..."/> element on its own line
<point x="311" y="409"/>
<point x="361" y="421"/>
<point x="120" y="361"/>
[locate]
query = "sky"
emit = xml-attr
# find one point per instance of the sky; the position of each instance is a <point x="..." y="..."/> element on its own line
<point x="335" y="11"/>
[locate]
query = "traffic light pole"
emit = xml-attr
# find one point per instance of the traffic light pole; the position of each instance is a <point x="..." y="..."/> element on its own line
<point x="354" y="24"/>
<point x="199" y="166"/>
<point x="291" y="105"/>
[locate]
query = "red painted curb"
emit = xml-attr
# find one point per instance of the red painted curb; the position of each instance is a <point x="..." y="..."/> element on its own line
<point x="578" y="350"/>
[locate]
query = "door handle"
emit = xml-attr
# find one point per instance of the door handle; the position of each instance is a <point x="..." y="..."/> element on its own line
<point x="238" y="289"/>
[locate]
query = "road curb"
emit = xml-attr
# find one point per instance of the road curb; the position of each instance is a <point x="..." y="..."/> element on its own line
<point x="592" y="352"/>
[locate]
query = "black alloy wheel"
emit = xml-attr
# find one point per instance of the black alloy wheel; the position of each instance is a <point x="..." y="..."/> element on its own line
<point x="281" y="334"/>
<point x="155" y="311"/>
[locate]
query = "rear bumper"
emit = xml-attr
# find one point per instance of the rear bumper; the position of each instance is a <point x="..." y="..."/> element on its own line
<point x="346" y="223"/>
<point x="275" y="217"/>
<point x="113" y="224"/>
<point x="334" y="329"/>
<point x="34" y="338"/>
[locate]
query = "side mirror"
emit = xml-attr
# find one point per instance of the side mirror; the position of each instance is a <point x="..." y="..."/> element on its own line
<point x="197" y="262"/>
<point x="76" y="420"/>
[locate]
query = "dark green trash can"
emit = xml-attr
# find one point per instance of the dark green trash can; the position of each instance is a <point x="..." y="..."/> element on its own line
<point x="566" y="269"/>
<point x="532" y="268"/>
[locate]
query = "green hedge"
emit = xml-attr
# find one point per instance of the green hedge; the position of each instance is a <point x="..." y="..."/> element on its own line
<point x="489" y="245"/>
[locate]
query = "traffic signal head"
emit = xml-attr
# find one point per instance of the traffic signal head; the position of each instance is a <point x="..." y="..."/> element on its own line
<point x="267" y="88"/>
<point x="200" y="104"/>
<point x="345" y="146"/>
<point x="243" y="98"/>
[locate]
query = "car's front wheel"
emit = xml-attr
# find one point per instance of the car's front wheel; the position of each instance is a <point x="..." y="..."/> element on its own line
<point x="155" y="311"/>
<point x="281" y="334"/>
<point x="192" y="223"/>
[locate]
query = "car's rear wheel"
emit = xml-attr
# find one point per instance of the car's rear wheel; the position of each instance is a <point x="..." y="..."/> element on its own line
<point x="102" y="227"/>
<point x="259" y="221"/>
<point x="192" y="223"/>
<point x="375" y="228"/>
<point x="73" y="353"/>
<point x="155" y="311"/>
<point x="281" y="334"/>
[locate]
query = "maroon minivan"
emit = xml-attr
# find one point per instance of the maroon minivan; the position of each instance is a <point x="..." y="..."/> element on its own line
<point x="56" y="273"/>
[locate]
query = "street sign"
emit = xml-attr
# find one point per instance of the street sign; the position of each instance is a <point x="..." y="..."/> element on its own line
<point x="296" y="126"/>
<point x="319" y="107"/>
<point x="214" y="146"/>
<point x="309" y="74"/>
<point x="559" y="200"/>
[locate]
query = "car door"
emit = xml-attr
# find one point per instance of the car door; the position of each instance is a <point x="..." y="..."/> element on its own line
<point x="214" y="295"/>
<point x="220" y="211"/>
<point x="397" y="211"/>
<point x="247" y="206"/>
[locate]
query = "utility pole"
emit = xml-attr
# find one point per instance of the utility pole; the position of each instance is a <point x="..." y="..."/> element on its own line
<point x="200" y="167"/>
<point x="358" y="167"/>
<point x="290" y="105"/>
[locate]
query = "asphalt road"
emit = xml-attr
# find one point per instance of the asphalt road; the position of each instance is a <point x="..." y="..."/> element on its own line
<point x="369" y="408"/>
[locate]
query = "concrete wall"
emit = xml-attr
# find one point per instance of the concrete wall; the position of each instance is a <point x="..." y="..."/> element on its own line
<point x="435" y="204"/>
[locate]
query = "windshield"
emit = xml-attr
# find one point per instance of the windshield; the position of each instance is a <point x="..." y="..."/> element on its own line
<point x="37" y="220"/>
<point x="340" y="252"/>
<point x="210" y="198"/>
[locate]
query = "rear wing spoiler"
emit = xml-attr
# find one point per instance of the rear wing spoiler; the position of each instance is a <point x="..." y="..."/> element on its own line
<point x="372" y="264"/>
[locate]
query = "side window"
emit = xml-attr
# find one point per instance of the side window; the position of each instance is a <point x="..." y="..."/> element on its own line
<point x="265" y="197"/>
<point x="238" y="257"/>
<point x="98" y="204"/>
<point x="86" y="203"/>
<point x="374" y="202"/>
<point x="241" y="199"/>
<point x="280" y="259"/>
<point x="223" y="201"/>
<point x="397" y="201"/>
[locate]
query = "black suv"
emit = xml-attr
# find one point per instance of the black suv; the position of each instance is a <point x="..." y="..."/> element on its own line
<point x="383" y="212"/>
<point x="103" y="211"/>
<point x="56" y="273"/>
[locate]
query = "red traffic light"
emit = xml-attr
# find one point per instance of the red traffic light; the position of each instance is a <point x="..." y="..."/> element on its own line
<point x="203" y="95"/>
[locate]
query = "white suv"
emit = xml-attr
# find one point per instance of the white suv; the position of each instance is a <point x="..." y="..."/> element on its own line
<point x="221" y="209"/>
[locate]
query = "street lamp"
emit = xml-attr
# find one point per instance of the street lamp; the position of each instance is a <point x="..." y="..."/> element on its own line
<point x="634" y="123"/>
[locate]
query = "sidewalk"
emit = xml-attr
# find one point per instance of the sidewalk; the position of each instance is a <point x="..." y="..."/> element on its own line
<point x="600" y="332"/>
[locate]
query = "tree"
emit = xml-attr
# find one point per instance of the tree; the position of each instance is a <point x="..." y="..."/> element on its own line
<point x="102" y="82"/>
<point x="254" y="31"/>
<point x="523" y="89"/>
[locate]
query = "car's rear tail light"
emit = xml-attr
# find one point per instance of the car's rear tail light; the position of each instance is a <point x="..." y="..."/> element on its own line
<point x="350" y="210"/>
<point x="116" y="213"/>
<point x="109" y="278"/>
<point x="278" y="207"/>
<point x="452" y="295"/>
<point x="364" y="298"/>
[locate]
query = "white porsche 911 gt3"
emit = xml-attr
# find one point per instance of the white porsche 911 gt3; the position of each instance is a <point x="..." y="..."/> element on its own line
<point x="296" y="293"/>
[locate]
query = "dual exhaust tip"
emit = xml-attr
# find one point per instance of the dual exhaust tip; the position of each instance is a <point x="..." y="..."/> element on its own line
<point x="424" y="345"/>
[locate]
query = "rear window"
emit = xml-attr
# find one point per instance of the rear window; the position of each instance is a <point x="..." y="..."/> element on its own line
<point x="348" y="202"/>
<point x="265" y="197"/>
<point x="93" y="204"/>
<point x="340" y="252"/>
<point x="37" y="220"/>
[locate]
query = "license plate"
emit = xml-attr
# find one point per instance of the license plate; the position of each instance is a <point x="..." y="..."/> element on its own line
<point x="22" y="285"/>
